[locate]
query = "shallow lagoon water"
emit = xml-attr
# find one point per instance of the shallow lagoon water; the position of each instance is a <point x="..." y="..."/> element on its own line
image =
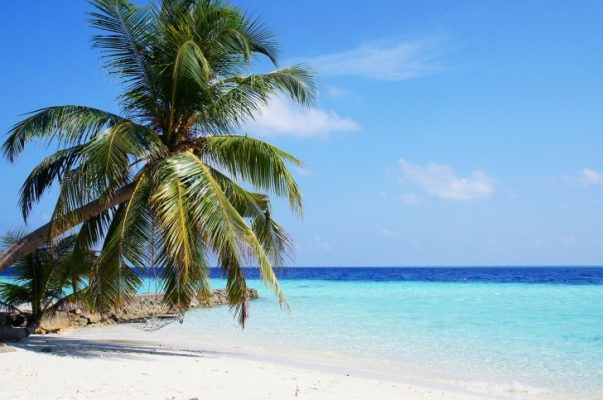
<point x="484" y="332"/>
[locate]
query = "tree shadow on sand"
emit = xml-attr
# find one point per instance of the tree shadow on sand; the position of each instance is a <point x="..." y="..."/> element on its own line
<point x="110" y="349"/>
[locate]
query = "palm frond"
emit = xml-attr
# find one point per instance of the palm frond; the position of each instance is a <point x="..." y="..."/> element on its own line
<point x="236" y="285"/>
<point x="125" y="247"/>
<point x="183" y="251"/>
<point x="113" y="282"/>
<point x="91" y="232"/>
<point x="105" y="168"/>
<point x="109" y="154"/>
<point x="40" y="278"/>
<point x="256" y="207"/>
<point x="191" y="73"/>
<point x="224" y="228"/>
<point x="41" y="178"/>
<point x="126" y="46"/>
<point x="228" y="34"/>
<point x="248" y="204"/>
<point x="256" y="162"/>
<point x="131" y="239"/>
<point x="239" y="98"/>
<point x="78" y="188"/>
<point x="261" y="39"/>
<point x="68" y="125"/>
<point x="13" y="294"/>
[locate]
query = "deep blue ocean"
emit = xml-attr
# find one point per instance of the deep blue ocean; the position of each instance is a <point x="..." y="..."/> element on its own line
<point x="549" y="275"/>
<point x="536" y="275"/>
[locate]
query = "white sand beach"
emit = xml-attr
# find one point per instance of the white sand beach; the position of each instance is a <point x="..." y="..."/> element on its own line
<point x="121" y="363"/>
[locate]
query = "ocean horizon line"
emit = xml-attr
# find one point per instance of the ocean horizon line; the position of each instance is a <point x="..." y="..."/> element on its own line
<point x="442" y="266"/>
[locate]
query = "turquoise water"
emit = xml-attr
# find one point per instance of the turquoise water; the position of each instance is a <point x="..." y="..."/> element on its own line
<point x="515" y="338"/>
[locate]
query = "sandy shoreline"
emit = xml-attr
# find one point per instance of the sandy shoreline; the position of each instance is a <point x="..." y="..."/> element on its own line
<point x="95" y="364"/>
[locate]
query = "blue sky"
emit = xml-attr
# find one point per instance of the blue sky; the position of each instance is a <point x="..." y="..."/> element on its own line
<point x="446" y="133"/>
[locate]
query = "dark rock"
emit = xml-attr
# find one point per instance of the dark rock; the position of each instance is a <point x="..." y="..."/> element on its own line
<point x="18" y="320"/>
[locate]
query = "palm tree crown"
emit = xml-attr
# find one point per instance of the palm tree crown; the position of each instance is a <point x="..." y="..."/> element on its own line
<point x="161" y="184"/>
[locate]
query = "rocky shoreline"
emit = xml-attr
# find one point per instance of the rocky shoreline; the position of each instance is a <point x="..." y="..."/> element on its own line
<point x="141" y="308"/>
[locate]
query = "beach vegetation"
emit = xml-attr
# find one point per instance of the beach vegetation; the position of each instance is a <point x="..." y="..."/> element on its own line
<point x="51" y="277"/>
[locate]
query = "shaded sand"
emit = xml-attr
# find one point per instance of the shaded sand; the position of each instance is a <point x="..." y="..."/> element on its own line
<point x="122" y="363"/>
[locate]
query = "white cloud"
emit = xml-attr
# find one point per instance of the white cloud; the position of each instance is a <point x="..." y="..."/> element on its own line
<point x="284" y="118"/>
<point x="440" y="181"/>
<point x="387" y="232"/>
<point x="391" y="62"/>
<point x="589" y="177"/>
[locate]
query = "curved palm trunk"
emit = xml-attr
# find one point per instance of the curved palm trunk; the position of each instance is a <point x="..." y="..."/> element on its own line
<point x="41" y="235"/>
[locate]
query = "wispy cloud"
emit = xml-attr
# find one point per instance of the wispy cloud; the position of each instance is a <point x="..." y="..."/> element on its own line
<point x="385" y="61"/>
<point x="589" y="177"/>
<point x="281" y="117"/>
<point x="440" y="181"/>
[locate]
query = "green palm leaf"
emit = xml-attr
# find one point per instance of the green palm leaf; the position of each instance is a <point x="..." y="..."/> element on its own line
<point x="257" y="162"/>
<point x="113" y="282"/>
<point x="182" y="256"/>
<point x="41" y="178"/>
<point x="109" y="154"/>
<point x="125" y="45"/>
<point x="68" y="125"/>
<point x="223" y="226"/>
<point x="41" y="277"/>
<point x="256" y="207"/>
<point x="237" y="99"/>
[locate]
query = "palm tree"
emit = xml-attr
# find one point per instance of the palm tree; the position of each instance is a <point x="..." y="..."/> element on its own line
<point x="168" y="173"/>
<point x="46" y="279"/>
